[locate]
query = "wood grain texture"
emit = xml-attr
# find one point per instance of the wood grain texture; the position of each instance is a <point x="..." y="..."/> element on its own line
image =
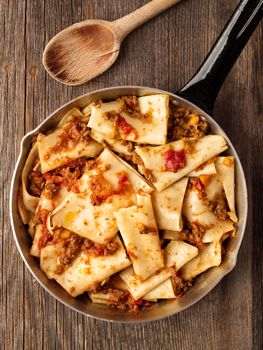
<point x="163" y="53"/>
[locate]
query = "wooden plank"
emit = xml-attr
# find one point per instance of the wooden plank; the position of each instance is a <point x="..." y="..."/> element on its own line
<point x="163" y="53"/>
<point x="12" y="97"/>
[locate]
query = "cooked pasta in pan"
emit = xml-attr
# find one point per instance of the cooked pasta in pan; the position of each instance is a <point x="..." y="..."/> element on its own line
<point x="128" y="200"/>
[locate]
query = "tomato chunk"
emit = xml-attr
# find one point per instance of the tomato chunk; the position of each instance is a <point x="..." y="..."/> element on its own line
<point x="125" y="127"/>
<point x="174" y="160"/>
<point x="198" y="185"/>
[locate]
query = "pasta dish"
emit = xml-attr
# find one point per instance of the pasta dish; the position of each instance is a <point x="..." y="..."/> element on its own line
<point x="128" y="200"/>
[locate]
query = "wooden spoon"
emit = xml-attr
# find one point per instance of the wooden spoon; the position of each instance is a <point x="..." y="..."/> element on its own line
<point x="85" y="50"/>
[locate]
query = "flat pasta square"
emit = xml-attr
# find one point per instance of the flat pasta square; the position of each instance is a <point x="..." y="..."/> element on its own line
<point x="196" y="211"/>
<point x="167" y="206"/>
<point x="138" y="288"/>
<point x="226" y="170"/>
<point x="208" y="257"/>
<point x="139" y="231"/>
<point x="165" y="290"/>
<point x="150" y="127"/>
<point x="86" y="270"/>
<point x="112" y="186"/>
<point x="66" y="144"/>
<point x="178" y="253"/>
<point x="117" y="145"/>
<point x="155" y="158"/>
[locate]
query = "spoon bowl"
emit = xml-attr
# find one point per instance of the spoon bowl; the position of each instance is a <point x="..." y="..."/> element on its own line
<point x="86" y="49"/>
<point x="81" y="52"/>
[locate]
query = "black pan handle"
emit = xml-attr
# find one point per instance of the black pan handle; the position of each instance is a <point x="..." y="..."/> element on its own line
<point x="203" y="88"/>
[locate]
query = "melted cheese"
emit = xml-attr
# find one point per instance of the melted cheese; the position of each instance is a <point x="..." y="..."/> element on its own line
<point x="153" y="158"/>
<point x="143" y="249"/>
<point x="167" y="206"/>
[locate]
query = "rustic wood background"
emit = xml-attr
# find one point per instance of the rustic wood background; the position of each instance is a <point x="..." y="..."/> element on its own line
<point x="163" y="53"/>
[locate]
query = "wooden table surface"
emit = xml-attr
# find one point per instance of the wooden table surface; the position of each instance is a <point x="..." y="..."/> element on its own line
<point x="163" y="53"/>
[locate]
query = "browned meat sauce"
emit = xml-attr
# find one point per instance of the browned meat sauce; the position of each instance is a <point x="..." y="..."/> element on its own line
<point x="217" y="208"/>
<point x="183" y="123"/>
<point x="69" y="246"/>
<point x="192" y="233"/>
<point x="124" y="301"/>
<point x="51" y="181"/>
<point x="42" y="215"/>
<point x="180" y="286"/>
<point x="36" y="183"/>
<point x="96" y="249"/>
<point x="130" y="105"/>
<point x="144" y="230"/>
<point x="74" y="132"/>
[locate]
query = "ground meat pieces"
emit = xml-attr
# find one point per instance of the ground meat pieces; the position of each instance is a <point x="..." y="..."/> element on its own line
<point x="136" y="159"/>
<point x="101" y="190"/>
<point x="183" y="124"/>
<point x="130" y="146"/>
<point x="65" y="175"/>
<point x="144" y="230"/>
<point x="193" y="234"/>
<point x="53" y="186"/>
<point x="218" y="209"/>
<point x="123" y="300"/>
<point x="36" y="183"/>
<point x="180" y="286"/>
<point x="92" y="164"/>
<point x="96" y="249"/>
<point x="196" y="234"/>
<point x="111" y="115"/>
<point x="196" y="183"/>
<point x="95" y="288"/>
<point x="129" y="104"/>
<point x="71" y="171"/>
<point x="45" y="237"/>
<point x="74" y="132"/>
<point x="42" y="215"/>
<point x="69" y="247"/>
<point x="148" y="174"/>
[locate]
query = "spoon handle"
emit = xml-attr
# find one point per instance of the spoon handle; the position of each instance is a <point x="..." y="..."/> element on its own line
<point x="123" y="26"/>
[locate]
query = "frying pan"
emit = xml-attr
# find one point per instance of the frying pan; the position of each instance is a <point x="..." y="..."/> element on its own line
<point x="198" y="95"/>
